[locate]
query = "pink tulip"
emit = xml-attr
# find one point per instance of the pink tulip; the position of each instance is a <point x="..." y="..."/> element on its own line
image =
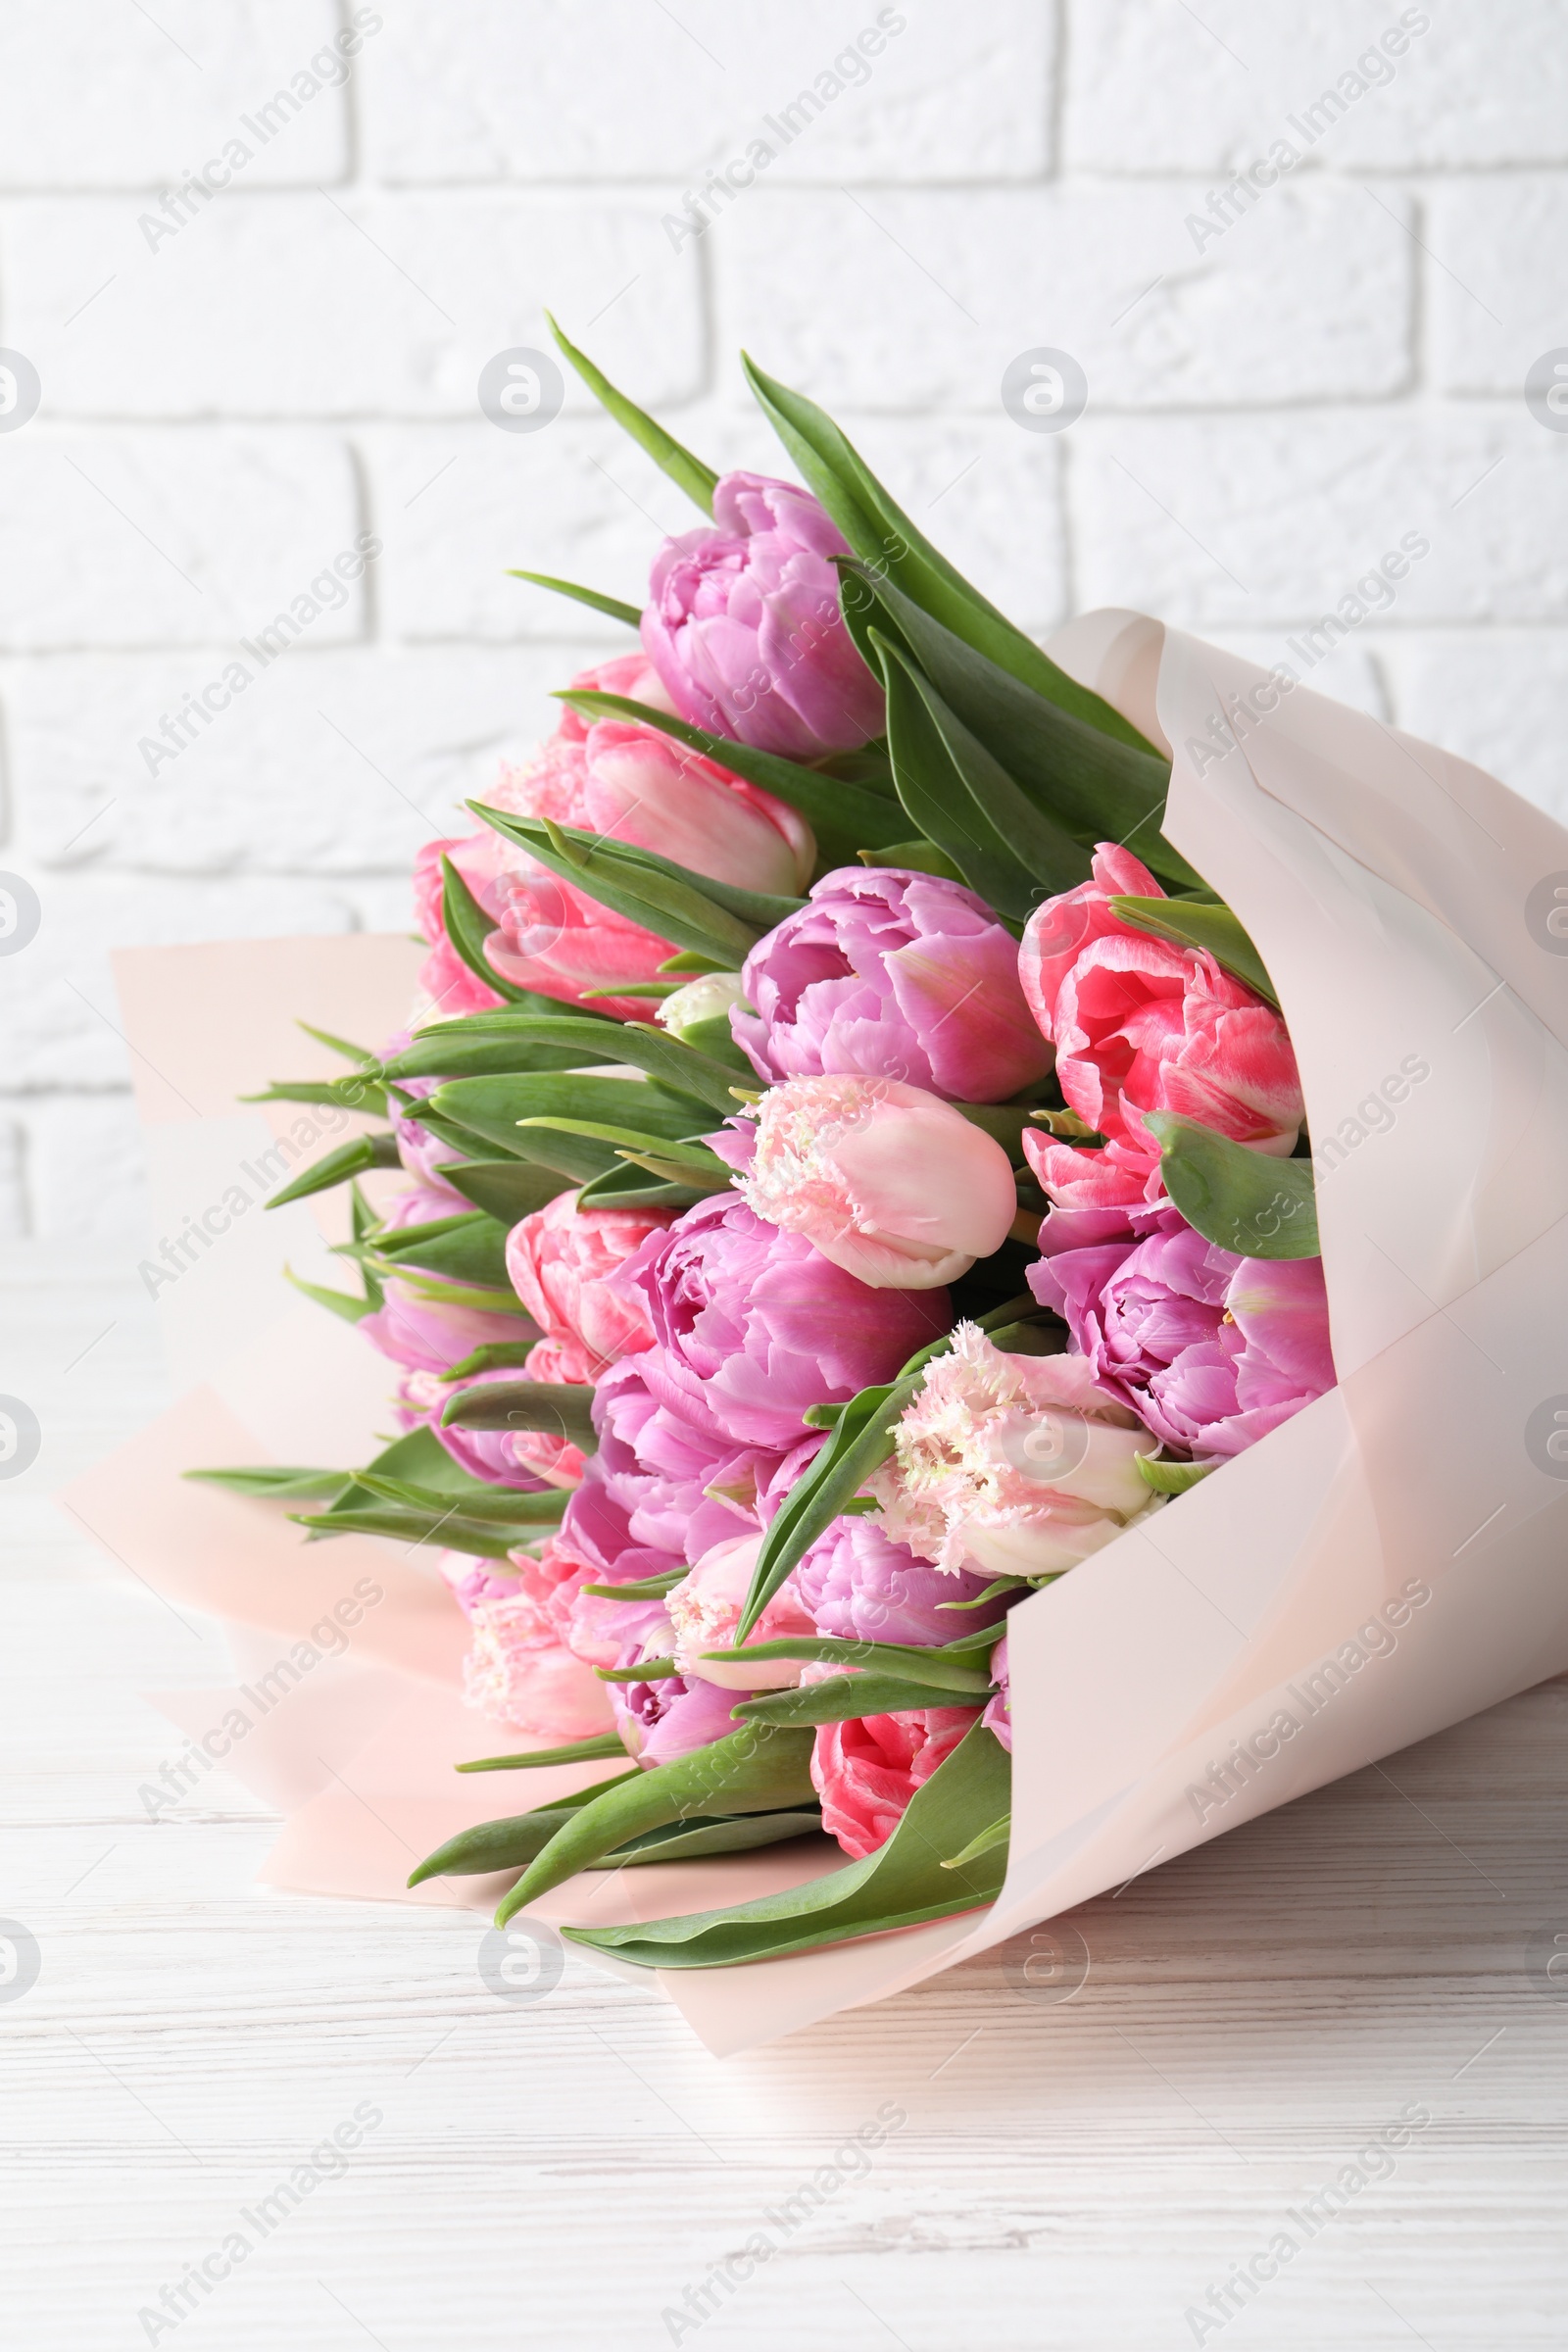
<point x="431" y="1334"/>
<point x="519" y="1670"/>
<point x="560" y="1260"/>
<point x="1140" y="1024"/>
<point x="889" y="1182"/>
<point x="866" y="1770"/>
<point x="635" y="785"/>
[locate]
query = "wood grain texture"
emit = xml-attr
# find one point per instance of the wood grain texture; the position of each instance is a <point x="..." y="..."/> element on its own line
<point x="1073" y="2173"/>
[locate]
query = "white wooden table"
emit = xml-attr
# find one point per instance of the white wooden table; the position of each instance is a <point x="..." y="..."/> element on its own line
<point x="1074" y="2174"/>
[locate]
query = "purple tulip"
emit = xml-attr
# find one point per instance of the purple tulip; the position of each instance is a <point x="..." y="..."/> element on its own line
<point x="663" y="1490"/>
<point x="892" y="974"/>
<point x="859" y="1585"/>
<point x="430" y="1334"/>
<point x="668" y="1718"/>
<point x="753" y="1326"/>
<point x="1209" y="1349"/>
<point x="744" y="628"/>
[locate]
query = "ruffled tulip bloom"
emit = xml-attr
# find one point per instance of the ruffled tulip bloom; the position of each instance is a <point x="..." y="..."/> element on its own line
<point x="705" y="1612"/>
<point x="663" y="1490"/>
<point x="633" y="784"/>
<point x="1210" y="1351"/>
<point x="856" y="1585"/>
<point x="998" y="1716"/>
<point x="893" y="1185"/>
<point x="744" y="627"/>
<point x="1140" y="1024"/>
<point x="519" y="1670"/>
<point x="866" y="1770"/>
<point x="560" y="1260"/>
<point x="1015" y="1465"/>
<point x="753" y="1326"/>
<point x="891" y="974"/>
<point x="661" y="1720"/>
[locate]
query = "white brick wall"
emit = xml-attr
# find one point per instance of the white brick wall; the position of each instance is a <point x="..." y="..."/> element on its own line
<point x="230" y="397"/>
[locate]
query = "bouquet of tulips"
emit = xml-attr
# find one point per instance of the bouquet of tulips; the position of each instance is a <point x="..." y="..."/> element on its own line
<point x="857" y="1171"/>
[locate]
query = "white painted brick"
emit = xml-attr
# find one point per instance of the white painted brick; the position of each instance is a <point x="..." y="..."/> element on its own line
<point x="337" y="303"/>
<point x="102" y="95"/>
<point x="59" y="1022"/>
<point x="622" y="89"/>
<point x="87" y="1176"/>
<point x="459" y="506"/>
<point x="1496" y="296"/>
<point x="337" y="763"/>
<point x="1299" y="299"/>
<point x="1254" y="521"/>
<point x="987" y="495"/>
<point x="185" y="538"/>
<point x="1498" y="697"/>
<point x="1153" y="86"/>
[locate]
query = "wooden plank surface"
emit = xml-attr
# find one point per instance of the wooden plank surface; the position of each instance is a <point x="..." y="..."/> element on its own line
<point x="574" y="2169"/>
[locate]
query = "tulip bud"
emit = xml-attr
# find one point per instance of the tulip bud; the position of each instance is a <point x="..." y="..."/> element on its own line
<point x="893" y="1185"/>
<point x="706" y="999"/>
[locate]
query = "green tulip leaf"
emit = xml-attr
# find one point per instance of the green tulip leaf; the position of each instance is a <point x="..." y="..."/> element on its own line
<point x="561" y="1408"/>
<point x="467" y="926"/>
<point x="1095" y="787"/>
<point x="843" y="1697"/>
<point x="885" y="539"/>
<point x="469" y="1248"/>
<point x="274" y="1482"/>
<point x="339" y="1166"/>
<point x="903" y="1883"/>
<point x="1246" y="1200"/>
<point x="494" y="1107"/>
<point x="688" y="474"/>
<point x="611" y="605"/>
<point x="592" y="1750"/>
<point x="505" y="1189"/>
<point x="753" y="1770"/>
<point x="1006" y="844"/>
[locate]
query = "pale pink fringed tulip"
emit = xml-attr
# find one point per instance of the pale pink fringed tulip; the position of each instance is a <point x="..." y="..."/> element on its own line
<point x="1019" y="1465"/>
<point x="706" y="1611"/>
<point x="892" y="1184"/>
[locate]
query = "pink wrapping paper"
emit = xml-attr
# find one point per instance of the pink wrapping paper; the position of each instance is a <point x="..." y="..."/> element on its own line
<point x="1379" y="1567"/>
